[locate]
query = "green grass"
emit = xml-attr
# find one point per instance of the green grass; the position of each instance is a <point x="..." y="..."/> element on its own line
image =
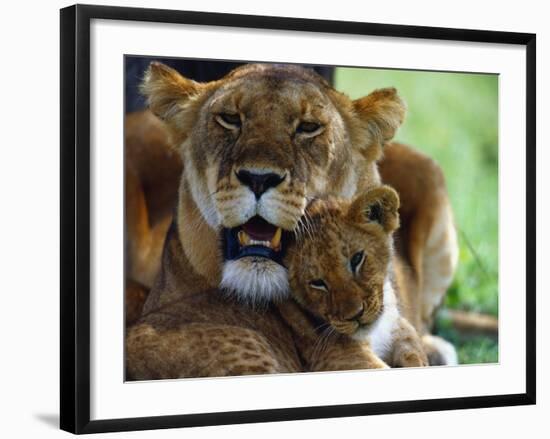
<point x="454" y="119"/>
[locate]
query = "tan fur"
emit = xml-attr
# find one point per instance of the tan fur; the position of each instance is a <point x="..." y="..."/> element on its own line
<point x="333" y="233"/>
<point x="152" y="172"/>
<point x="134" y="298"/>
<point x="271" y="100"/>
<point x="207" y="335"/>
<point x="428" y="244"/>
<point x="323" y="349"/>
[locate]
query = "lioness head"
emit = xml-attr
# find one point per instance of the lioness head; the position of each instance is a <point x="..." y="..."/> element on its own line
<point x="256" y="146"/>
<point x="339" y="262"/>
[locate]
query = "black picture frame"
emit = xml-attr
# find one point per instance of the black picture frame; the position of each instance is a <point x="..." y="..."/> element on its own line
<point x="75" y="217"/>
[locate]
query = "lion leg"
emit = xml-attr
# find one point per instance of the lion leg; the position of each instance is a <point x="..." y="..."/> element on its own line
<point x="439" y="261"/>
<point x="323" y="353"/>
<point x="428" y="234"/>
<point x="407" y="350"/>
<point x="197" y="350"/>
<point x="434" y="257"/>
<point x="144" y="240"/>
<point x="152" y="172"/>
<point x="439" y="351"/>
<point x="135" y="295"/>
<point x="345" y="355"/>
<point x="437" y="267"/>
<point x="138" y="229"/>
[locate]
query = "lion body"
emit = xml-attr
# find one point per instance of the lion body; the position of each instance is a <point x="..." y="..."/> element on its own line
<point x="338" y="159"/>
<point x="340" y="263"/>
<point x="207" y="334"/>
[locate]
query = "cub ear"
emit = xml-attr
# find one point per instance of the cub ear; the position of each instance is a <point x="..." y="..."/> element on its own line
<point x="167" y="92"/>
<point x="383" y="111"/>
<point x="379" y="205"/>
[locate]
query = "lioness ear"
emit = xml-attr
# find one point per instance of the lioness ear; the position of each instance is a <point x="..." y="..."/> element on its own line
<point x="384" y="111"/>
<point x="167" y="91"/>
<point x="379" y="205"/>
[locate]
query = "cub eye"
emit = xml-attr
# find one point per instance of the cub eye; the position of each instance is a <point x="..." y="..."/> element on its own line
<point x="229" y="121"/>
<point x="356" y="261"/>
<point x="318" y="284"/>
<point x="309" y="128"/>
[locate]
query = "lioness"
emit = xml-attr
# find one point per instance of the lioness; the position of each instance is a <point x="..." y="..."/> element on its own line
<point x="256" y="146"/>
<point x="342" y="281"/>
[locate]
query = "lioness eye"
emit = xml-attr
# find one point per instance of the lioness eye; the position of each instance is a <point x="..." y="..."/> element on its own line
<point x="356" y="261"/>
<point x="308" y="128"/>
<point x="318" y="284"/>
<point x="229" y="121"/>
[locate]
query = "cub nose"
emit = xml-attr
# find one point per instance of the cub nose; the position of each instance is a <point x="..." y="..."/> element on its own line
<point x="259" y="183"/>
<point x="355" y="314"/>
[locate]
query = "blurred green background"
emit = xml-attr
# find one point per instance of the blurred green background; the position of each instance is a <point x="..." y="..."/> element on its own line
<point x="453" y="117"/>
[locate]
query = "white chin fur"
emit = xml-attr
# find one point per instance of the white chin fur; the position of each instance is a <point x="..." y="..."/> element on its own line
<point x="256" y="281"/>
<point x="380" y="333"/>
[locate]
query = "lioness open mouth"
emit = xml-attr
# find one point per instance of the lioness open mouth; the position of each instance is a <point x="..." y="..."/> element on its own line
<point x="256" y="238"/>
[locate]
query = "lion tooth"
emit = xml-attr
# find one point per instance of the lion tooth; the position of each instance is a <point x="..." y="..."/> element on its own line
<point x="262" y="243"/>
<point x="244" y="239"/>
<point x="276" y="240"/>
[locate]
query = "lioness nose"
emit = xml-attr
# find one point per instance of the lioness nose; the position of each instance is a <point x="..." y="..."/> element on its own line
<point x="355" y="314"/>
<point x="259" y="183"/>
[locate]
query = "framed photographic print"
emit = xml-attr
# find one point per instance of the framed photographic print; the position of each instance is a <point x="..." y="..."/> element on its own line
<point x="306" y="218"/>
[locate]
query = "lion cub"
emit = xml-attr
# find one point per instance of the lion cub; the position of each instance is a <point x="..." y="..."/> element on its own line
<point x="340" y="270"/>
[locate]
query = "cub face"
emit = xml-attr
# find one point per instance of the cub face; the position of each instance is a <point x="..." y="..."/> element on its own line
<point x="257" y="145"/>
<point x="339" y="262"/>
